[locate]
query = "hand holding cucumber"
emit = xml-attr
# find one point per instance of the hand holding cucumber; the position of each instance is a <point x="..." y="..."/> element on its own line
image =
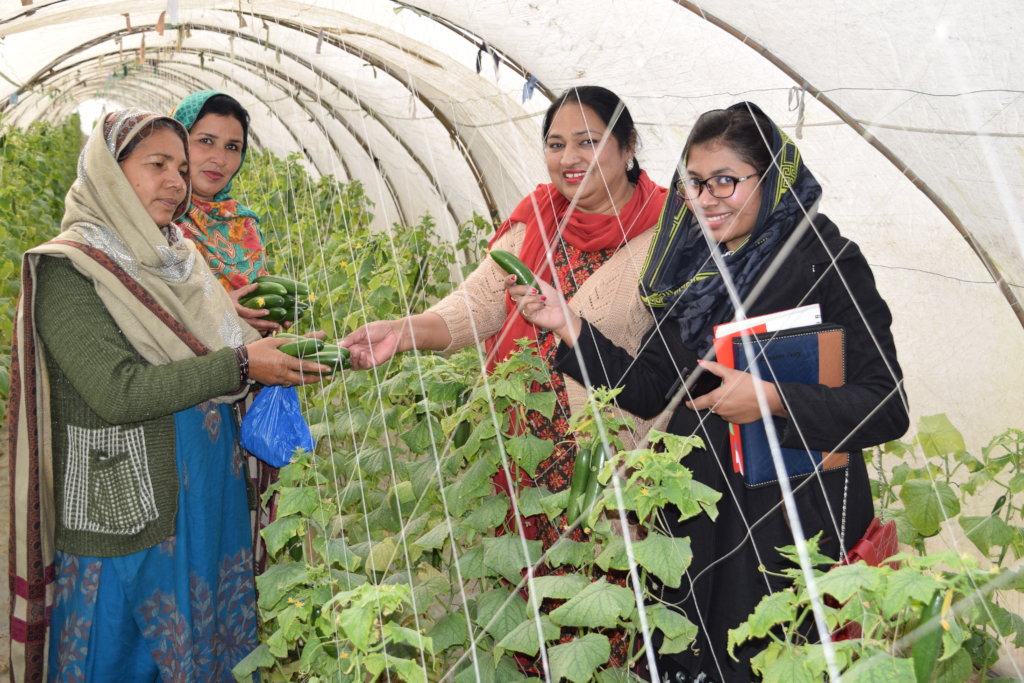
<point x="268" y="364"/>
<point x="540" y="303"/>
<point x="253" y="316"/>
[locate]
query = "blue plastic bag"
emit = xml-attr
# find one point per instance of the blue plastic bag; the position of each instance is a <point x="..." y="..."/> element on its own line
<point x="274" y="427"/>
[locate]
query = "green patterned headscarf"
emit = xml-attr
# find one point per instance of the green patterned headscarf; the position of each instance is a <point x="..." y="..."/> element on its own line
<point x="187" y="114"/>
<point x="680" y="279"/>
<point x="226" y="231"/>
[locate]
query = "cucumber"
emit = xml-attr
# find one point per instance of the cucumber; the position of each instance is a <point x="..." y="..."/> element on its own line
<point x="278" y="315"/>
<point x="265" y="301"/>
<point x="925" y="651"/>
<point x="266" y="288"/>
<point x="511" y="264"/>
<point x="335" y="356"/>
<point x="290" y="286"/>
<point x="291" y="335"/>
<point x="302" y="348"/>
<point x="594" y="486"/>
<point x="579" y="481"/>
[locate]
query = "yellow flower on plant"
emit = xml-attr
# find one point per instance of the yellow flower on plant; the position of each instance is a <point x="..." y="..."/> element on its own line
<point x="643" y="491"/>
<point x="343" y="655"/>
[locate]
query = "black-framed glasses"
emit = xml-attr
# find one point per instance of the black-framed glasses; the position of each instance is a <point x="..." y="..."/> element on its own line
<point x="719" y="186"/>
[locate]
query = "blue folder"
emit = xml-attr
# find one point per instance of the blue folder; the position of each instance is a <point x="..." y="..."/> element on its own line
<point x="806" y="355"/>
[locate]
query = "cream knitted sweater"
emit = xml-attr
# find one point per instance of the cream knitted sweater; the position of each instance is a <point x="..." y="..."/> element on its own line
<point x="609" y="300"/>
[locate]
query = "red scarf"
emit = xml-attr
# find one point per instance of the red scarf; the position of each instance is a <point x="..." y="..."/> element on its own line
<point x="544" y="213"/>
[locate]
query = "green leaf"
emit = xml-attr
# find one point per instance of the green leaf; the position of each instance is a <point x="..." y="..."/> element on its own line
<point x="337" y="552"/>
<point x="987" y="531"/>
<point x="776" y="608"/>
<point x="523" y="638"/>
<point x="846" y="581"/>
<point x="679" y="631"/>
<point x="880" y="667"/>
<point x="356" y="621"/>
<point x="489" y="514"/>
<point x="408" y="636"/>
<point x="278" y="579"/>
<point x="541" y="401"/>
<point x="451" y="629"/>
<point x="568" y="551"/>
<point x="928" y="504"/>
<point x="904" y="587"/>
<point x="599" y="605"/>
<point x="424" y="435"/>
<point x="471" y="564"/>
<point x="578" y="659"/>
<point x="555" y="503"/>
<point x="664" y="556"/>
<point x="504" y="555"/>
<point x="790" y="667"/>
<point x="614" y="555"/>
<point x="382" y="554"/>
<point x="529" y="501"/>
<point x="408" y="670"/>
<point x="280" y="531"/>
<point x="260" y="658"/>
<point x="559" y="586"/>
<point x="528" y="451"/>
<point x="499" y="611"/>
<point x="956" y="669"/>
<point x="431" y="584"/>
<point x="297" y="501"/>
<point x="436" y="537"/>
<point x="938" y="437"/>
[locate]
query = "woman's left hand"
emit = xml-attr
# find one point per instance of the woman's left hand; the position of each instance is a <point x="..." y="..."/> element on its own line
<point x="736" y="400"/>
<point x="252" y="315"/>
<point x="543" y="306"/>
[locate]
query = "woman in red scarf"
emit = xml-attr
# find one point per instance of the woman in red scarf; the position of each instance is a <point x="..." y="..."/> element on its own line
<point x="588" y="230"/>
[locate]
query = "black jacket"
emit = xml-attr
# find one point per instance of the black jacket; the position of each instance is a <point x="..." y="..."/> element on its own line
<point x="724" y="582"/>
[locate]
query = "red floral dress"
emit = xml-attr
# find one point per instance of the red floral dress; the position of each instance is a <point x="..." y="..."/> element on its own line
<point x="572" y="268"/>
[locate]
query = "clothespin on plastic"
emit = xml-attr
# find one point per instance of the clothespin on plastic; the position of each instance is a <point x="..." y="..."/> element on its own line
<point x="529" y="87"/>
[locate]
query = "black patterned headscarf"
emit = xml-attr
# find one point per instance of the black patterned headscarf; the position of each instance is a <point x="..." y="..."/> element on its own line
<point x="681" y="281"/>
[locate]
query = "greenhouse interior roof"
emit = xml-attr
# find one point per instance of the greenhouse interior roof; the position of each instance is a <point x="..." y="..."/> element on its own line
<point x="911" y="115"/>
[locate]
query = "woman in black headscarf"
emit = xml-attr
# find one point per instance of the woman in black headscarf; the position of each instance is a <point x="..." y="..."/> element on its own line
<point x="744" y="210"/>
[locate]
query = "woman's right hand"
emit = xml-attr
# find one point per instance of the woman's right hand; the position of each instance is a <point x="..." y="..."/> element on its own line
<point x="252" y="315"/>
<point x="372" y="344"/>
<point x="269" y="366"/>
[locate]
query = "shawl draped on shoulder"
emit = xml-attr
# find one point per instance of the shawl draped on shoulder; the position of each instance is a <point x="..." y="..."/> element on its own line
<point x="546" y="214"/>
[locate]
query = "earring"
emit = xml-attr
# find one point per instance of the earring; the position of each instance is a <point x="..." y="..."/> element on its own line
<point x="629" y="165"/>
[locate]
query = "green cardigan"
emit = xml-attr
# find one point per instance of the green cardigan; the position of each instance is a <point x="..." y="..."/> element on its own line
<point x="112" y="413"/>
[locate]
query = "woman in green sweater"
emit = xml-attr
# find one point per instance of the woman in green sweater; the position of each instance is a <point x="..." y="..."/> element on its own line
<point x="130" y="530"/>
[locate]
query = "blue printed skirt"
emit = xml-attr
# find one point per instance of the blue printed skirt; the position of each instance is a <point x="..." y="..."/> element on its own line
<point x="183" y="610"/>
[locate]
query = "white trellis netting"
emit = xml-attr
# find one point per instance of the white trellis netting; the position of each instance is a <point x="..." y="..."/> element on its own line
<point x="912" y="117"/>
<point x="918" y="142"/>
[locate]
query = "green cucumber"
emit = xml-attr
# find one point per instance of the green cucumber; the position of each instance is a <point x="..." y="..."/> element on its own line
<point x="334" y="356"/>
<point x="594" y="486"/>
<point x="277" y="315"/>
<point x="302" y="348"/>
<point x="264" y="301"/>
<point x="578" y="483"/>
<point x="290" y="286"/>
<point x="925" y="650"/>
<point x="265" y="288"/>
<point x="511" y="264"/>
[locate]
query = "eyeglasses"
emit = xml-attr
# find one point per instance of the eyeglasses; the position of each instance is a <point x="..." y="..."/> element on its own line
<point x="719" y="186"/>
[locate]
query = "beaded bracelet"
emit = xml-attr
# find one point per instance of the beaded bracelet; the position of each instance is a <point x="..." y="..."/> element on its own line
<point x="242" y="354"/>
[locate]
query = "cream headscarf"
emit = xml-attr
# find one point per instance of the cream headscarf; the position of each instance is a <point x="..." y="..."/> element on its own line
<point x="166" y="302"/>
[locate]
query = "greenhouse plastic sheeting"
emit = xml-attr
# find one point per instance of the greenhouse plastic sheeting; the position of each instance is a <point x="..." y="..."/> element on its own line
<point x="910" y="114"/>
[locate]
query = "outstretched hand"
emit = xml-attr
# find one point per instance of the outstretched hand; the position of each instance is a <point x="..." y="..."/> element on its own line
<point x="736" y="399"/>
<point x="371" y="344"/>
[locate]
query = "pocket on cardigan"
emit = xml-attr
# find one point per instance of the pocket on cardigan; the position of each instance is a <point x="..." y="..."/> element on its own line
<point x="107" y="488"/>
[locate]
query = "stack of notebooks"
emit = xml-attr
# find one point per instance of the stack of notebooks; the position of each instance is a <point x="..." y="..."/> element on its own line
<point x="786" y="346"/>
